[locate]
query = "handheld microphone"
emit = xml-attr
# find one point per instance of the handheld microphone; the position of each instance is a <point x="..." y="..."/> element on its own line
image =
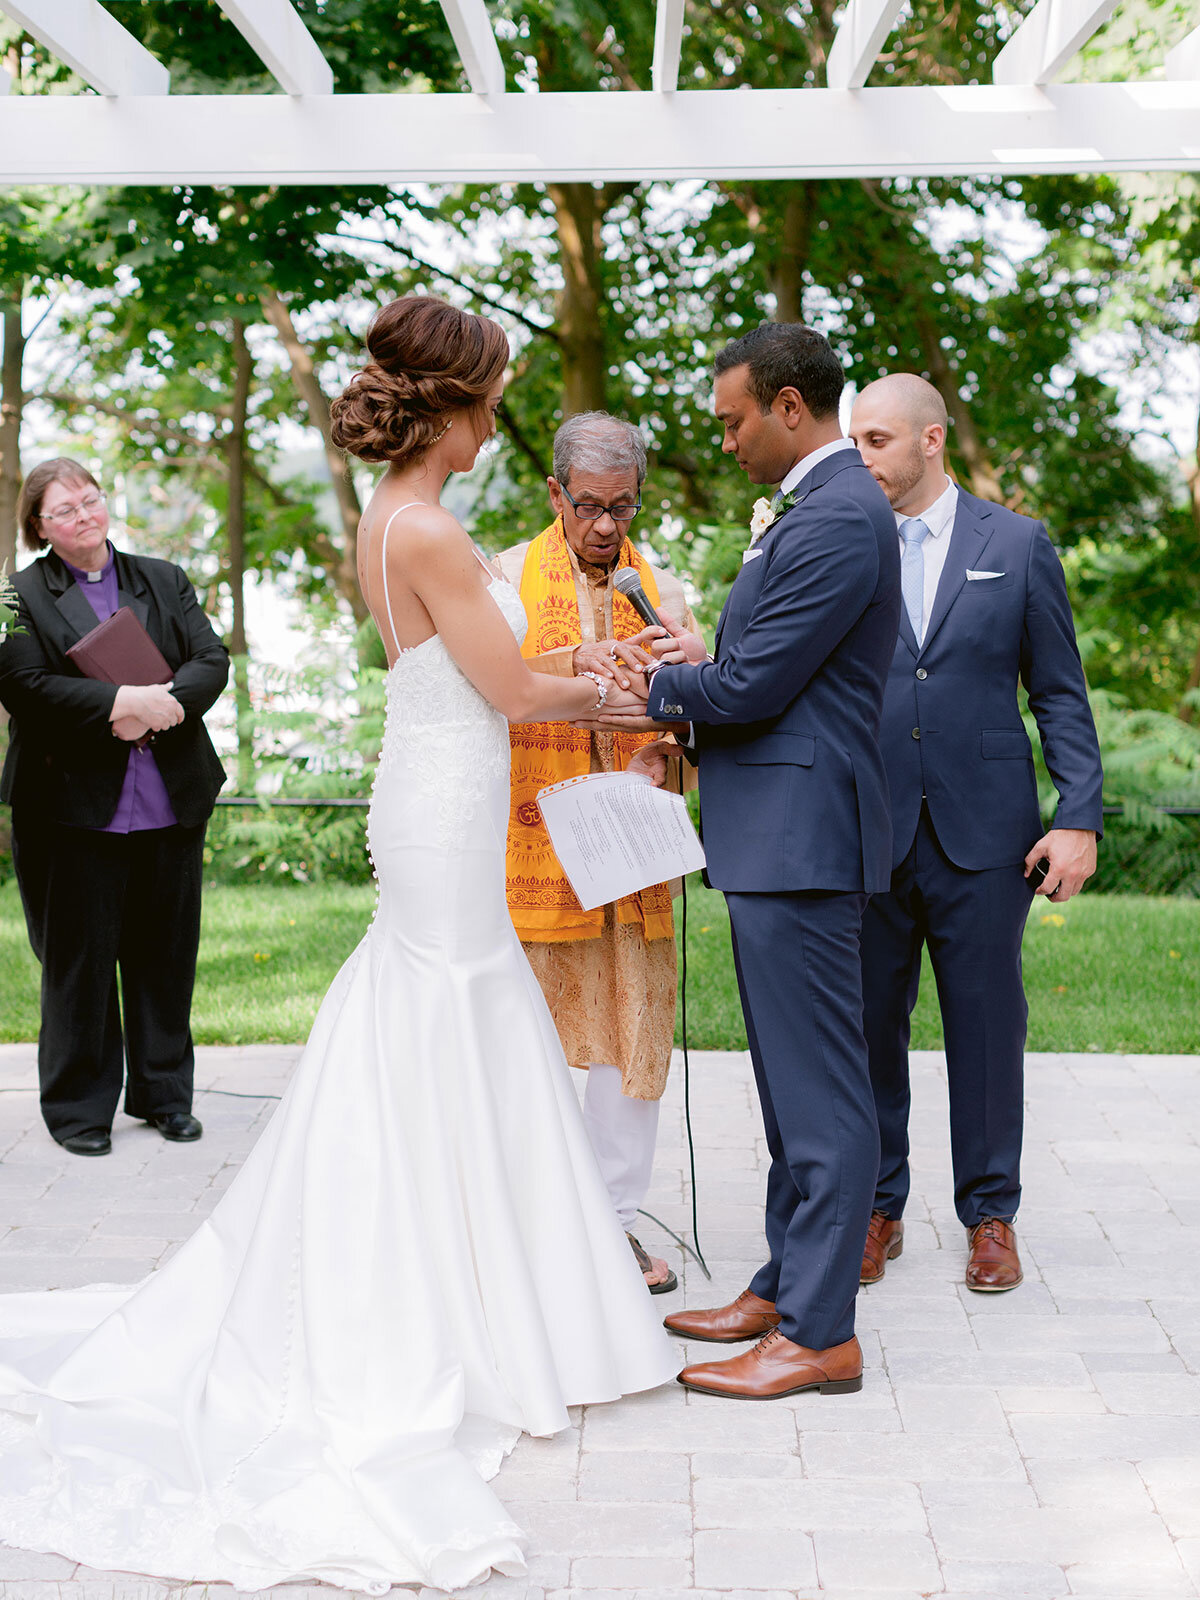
<point x="630" y="585"/>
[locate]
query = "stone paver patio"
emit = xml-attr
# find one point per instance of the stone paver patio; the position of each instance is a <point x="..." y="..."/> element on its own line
<point x="1039" y="1444"/>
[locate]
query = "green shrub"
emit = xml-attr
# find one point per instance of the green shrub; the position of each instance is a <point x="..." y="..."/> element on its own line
<point x="1151" y="761"/>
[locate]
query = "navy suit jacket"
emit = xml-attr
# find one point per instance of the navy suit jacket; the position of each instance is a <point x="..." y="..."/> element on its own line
<point x="786" y="719"/>
<point x="952" y="727"/>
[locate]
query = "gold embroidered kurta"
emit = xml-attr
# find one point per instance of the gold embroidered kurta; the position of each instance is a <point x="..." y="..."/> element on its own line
<point x="612" y="997"/>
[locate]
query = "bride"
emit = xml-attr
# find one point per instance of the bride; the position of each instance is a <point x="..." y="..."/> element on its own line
<point x="419" y="1260"/>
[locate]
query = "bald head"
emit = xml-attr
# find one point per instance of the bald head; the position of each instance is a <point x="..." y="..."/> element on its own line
<point x="899" y="425"/>
<point x="907" y="396"/>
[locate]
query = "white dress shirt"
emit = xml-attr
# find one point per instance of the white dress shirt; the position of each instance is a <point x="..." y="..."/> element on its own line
<point x="808" y="462"/>
<point x="939" y="519"/>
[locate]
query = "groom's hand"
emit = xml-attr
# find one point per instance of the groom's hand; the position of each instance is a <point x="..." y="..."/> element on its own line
<point x="678" y="646"/>
<point x="1071" y="853"/>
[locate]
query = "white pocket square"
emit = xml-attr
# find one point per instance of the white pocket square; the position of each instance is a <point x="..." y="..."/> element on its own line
<point x="971" y="576"/>
<point x="750" y="555"/>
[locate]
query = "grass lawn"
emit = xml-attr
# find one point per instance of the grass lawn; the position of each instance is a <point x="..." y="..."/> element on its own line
<point x="1103" y="972"/>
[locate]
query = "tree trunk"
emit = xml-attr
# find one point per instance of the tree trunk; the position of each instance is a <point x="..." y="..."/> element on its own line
<point x="308" y="387"/>
<point x="785" y="274"/>
<point x="579" y="209"/>
<point x="964" y="439"/>
<point x="1192" y="474"/>
<point x="12" y="402"/>
<point x="235" y="532"/>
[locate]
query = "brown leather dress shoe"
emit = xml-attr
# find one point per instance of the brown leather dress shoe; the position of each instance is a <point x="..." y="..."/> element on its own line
<point x="747" y="1318"/>
<point x="993" y="1264"/>
<point x="885" y="1241"/>
<point x="776" y="1367"/>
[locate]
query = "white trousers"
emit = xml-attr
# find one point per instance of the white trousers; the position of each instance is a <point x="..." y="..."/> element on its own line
<point x="622" y="1133"/>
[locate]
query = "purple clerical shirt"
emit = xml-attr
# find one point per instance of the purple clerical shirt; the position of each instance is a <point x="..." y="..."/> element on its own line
<point x="143" y="802"/>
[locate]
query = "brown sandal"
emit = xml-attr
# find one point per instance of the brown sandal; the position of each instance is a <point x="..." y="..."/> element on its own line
<point x="669" y="1283"/>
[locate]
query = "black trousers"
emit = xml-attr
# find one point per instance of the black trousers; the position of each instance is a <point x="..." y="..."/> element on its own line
<point x="98" y="905"/>
<point x="797" y="959"/>
<point x="973" y="923"/>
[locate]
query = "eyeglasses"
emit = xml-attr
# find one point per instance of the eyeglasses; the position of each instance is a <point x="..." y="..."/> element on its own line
<point x="69" y="514"/>
<point x="589" y="511"/>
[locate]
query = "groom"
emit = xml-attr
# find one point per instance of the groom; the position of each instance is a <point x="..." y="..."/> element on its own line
<point x="797" y="833"/>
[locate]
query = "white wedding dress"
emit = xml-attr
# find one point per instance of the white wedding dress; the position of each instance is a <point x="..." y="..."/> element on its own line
<point x="417" y="1262"/>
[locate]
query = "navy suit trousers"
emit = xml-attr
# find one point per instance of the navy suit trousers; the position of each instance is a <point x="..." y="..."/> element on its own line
<point x="972" y="923"/>
<point x="800" y="978"/>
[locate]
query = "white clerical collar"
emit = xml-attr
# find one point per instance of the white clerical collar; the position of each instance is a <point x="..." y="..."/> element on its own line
<point x="939" y="517"/>
<point x="806" y="463"/>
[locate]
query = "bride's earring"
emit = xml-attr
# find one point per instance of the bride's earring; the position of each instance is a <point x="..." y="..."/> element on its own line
<point x="443" y="433"/>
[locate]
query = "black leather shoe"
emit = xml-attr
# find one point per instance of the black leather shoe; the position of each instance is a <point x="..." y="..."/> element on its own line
<point x="179" y="1126"/>
<point x="95" y="1142"/>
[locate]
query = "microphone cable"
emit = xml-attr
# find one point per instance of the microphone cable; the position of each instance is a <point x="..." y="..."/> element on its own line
<point x="693" y="1249"/>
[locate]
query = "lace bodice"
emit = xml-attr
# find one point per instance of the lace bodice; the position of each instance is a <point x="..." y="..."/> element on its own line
<point x="443" y="734"/>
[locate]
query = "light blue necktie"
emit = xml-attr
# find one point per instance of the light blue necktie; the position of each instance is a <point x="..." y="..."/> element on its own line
<point x="912" y="573"/>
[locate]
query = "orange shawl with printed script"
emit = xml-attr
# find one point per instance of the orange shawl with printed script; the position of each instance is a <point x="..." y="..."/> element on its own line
<point x="543" y="906"/>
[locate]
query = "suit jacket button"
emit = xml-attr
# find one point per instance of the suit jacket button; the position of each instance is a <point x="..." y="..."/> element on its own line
<point x="922" y="674"/>
<point x="916" y="733"/>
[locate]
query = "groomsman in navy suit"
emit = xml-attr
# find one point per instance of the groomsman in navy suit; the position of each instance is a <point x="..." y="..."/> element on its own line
<point x="985" y="608"/>
<point x="785" y="724"/>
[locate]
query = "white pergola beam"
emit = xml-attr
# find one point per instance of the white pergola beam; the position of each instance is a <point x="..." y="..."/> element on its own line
<point x="1184" y="60"/>
<point x="864" y="26"/>
<point x="278" y="37"/>
<point x="86" y="38"/>
<point x="476" y="45"/>
<point x="455" y="138"/>
<point x="1050" y="35"/>
<point x="668" y="43"/>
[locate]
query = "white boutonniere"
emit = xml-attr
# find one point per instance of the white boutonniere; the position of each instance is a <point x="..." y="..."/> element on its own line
<point x="765" y="514"/>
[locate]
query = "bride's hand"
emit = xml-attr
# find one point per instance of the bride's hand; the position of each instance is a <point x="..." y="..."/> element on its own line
<point x="625" y="702"/>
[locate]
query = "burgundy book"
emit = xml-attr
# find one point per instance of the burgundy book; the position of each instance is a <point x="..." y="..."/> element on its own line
<point x="120" y="651"/>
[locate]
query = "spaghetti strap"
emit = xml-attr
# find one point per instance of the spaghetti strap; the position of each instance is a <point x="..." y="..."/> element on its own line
<point x="387" y="604"/>
<point x="484" y="563"/>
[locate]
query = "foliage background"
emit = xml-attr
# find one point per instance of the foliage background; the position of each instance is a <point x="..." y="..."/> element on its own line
<point x="186" y="342"/>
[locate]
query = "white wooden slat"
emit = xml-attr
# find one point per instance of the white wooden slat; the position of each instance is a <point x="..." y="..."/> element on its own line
<point x="439" y="138"/>
<point x="1184" y="60"/>
<point x="277" y="35"/>
<point x="668" y="43"/>
<point x="1050" y="35"/>
<point x="89" y="40"/>
<point x="5" y="81"/>
<point x="864" y="26"/>
<point x="476" y="45"/>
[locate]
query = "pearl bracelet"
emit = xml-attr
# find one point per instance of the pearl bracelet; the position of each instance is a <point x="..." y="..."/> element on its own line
<point x="601" y="688"/>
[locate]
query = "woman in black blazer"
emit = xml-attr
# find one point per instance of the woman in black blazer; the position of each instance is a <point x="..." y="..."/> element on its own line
<point x="108" y="837"/>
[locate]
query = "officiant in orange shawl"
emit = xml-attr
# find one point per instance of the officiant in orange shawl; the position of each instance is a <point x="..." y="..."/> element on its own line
<point x="608" y="975"/>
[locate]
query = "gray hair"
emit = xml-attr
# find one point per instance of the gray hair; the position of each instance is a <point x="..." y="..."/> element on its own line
<point x="594" y="441"/>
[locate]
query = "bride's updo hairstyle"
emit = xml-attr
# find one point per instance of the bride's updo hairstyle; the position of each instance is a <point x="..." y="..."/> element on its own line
<point x="429" y="362"/>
